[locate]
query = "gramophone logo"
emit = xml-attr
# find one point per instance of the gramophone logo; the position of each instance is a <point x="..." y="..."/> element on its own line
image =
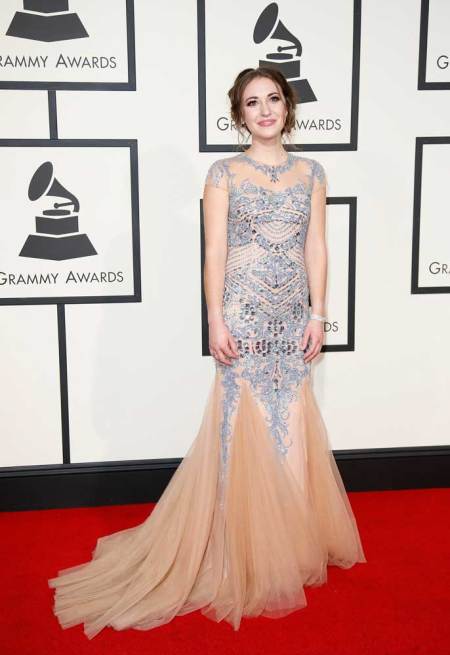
<point x="57" y="236"/>
<point x="46" y="20"/>
<point x="269" y="27"/>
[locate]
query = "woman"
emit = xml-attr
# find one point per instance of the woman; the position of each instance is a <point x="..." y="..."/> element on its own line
<point x="257" y="508"/>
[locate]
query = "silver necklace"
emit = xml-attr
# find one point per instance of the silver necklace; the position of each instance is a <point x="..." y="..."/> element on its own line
<point x="272" y="171"/>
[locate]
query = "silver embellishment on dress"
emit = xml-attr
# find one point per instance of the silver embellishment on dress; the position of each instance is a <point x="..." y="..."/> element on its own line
<point x="215" y="173"/>
<point x="265" y="297"/>
<point x="272" y="171"/>
<point x="318" y="172"/>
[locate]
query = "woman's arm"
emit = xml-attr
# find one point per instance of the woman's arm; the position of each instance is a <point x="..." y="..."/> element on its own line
<point x="215" y="213"/>
<point x="315" y="244"/>
<point x="316" y="261"/>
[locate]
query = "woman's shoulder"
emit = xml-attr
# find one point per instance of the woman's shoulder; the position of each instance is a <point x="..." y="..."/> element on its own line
<point x="314" y="164"/>
<point x="315" y="168"/>
<point x="220" y="171"/>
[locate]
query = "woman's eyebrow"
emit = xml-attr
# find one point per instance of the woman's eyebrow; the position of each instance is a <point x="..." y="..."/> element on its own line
<point x="252" y="97"/>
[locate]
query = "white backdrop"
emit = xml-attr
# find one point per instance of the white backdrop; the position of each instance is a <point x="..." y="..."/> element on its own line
<point x="137" y="380"/>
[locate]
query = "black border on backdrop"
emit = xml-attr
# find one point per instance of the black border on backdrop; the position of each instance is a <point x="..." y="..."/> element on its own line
<point x="415" y="255"/>
<point x="351" y="201"/>
<point x="354" y="103"/>
<point x="92" y="86"/>
<point x="131" y="144"/>
<point x="144" y="481"/>
<point x="422" y="84"/>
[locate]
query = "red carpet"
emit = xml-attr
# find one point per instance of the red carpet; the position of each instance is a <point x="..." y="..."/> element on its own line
<point x="396" y="604"/>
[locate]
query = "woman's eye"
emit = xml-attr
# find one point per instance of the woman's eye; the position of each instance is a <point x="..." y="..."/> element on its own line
<point x="250" y="103"/>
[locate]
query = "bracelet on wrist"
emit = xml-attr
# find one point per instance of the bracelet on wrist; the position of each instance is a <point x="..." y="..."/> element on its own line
<point x="317" y="317"/>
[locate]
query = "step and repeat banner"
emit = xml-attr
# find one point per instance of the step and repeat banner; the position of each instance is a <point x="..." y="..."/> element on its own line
<point x="111" y="113"/>
<point x="74" y="251"/>
<point x="47" y="44"/>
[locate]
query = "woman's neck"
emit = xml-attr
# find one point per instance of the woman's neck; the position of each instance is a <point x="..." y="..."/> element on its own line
<point x="271" y="155"/>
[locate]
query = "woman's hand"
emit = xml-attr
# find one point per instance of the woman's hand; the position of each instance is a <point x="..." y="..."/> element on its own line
<point x="314" y="334"/>
<point x="222" y="344"/>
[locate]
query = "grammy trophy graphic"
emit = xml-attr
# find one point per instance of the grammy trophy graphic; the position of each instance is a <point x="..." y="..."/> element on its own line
<point x="287" y="63"/>
<point x="57" y="236"/>
<point x="46" y="20"/>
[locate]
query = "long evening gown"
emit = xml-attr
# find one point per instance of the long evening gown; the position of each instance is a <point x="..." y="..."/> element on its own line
<point x="257" y="508"/>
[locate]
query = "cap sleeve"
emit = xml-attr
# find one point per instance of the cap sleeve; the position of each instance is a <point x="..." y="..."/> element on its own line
<point x="319" y="178"/>
<point x="217" y="175"/>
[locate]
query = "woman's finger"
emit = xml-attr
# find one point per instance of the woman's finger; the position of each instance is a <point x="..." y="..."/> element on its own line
<point x="305" y="339"/>
<point x="221" y="356"/>
<point x="228" y="350"/>
<point x="233" y="345"/>
<point x="315" y="350"/>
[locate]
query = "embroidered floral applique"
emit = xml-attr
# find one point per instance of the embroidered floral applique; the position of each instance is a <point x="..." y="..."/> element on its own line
<point x="266" y="295"/>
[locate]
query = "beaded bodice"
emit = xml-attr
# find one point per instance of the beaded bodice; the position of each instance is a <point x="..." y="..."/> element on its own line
<point x="266" y="291"/>
<point x="266" y="288"/>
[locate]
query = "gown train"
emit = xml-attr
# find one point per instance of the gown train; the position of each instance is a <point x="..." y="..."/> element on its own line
<point x="244" y="549"/>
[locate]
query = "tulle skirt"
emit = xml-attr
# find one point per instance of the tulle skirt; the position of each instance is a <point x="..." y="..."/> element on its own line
<point x="237" y="543"/>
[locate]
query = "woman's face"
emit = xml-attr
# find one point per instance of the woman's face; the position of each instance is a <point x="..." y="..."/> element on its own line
<point x="263" y="108"/>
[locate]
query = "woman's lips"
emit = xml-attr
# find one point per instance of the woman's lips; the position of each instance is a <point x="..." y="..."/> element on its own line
<point x="266" y="123"/>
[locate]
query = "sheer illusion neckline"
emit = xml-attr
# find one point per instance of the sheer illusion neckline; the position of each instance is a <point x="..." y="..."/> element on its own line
<point x="248" y="184"/>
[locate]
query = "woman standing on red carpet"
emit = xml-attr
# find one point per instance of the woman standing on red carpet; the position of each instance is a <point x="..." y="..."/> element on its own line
<point x="257" y="509"/>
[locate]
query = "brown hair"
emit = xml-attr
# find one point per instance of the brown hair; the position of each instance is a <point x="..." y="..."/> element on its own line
<point x="237" y="91"/>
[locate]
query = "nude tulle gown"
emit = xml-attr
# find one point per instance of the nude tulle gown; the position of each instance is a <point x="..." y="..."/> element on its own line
<point x="257" y="508"/>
